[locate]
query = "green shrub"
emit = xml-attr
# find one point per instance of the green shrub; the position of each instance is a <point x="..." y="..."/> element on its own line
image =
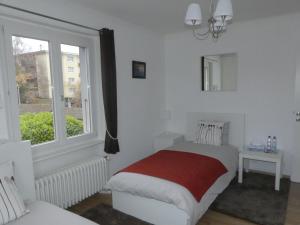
<point x="38" y="127"/>
<point x="74" y="126"/>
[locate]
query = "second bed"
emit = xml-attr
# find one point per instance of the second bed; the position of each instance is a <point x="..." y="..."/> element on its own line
<point x="132" y="191"/>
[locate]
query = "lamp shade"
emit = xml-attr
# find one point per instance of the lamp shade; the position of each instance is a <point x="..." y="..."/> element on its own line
<point x="224" y="10"/>
<point x="220" y="26"/>
<point x="193" y="15"/>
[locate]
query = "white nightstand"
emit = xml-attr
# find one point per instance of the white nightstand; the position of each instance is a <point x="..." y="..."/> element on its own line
<point x="167" y="139"/>
<point x="261" y="156"/>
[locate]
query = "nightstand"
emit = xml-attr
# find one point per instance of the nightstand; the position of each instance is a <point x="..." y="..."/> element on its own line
<point x="261" y="156"/>
<point x="167" y="139"/>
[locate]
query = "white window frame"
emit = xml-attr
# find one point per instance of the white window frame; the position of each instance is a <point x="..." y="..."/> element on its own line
<point x="55" y="37"/>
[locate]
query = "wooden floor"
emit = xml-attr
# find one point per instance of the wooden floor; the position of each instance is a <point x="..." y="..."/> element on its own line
<point x="211" y="217"/>
<point x="293" y="211"/>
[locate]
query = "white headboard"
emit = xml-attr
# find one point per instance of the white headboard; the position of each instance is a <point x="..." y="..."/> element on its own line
<point x="236" y="125"/>
<point x="20" y="154"/>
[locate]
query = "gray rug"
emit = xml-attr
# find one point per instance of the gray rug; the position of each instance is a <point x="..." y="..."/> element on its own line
<point x="106" y="215"/>
<point x="255" y="200"/>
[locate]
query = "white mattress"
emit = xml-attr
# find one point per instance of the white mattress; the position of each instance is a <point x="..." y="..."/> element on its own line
<point x="42" y="213"/>
<point x="172" y="193"/>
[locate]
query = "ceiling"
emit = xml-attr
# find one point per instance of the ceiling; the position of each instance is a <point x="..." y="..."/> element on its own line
<point x="167" y="16"/>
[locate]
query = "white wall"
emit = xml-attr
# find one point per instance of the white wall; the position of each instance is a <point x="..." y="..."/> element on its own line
<point x="140" y="102"/>
<point x="265" y="82"/>
<point x="266" y="76"/>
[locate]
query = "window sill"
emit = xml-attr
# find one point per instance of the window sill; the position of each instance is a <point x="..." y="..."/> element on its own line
<point x="39" y="155"/>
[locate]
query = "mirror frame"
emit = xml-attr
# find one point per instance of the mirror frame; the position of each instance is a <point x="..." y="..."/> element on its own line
<point x="202" y="73"/>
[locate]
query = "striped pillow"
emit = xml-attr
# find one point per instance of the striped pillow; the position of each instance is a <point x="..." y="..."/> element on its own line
<point x="209" y="132"/>
<point x="11" y="203"/>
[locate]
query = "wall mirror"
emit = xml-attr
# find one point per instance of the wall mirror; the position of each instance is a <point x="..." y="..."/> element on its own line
<point x="219" y="72"/>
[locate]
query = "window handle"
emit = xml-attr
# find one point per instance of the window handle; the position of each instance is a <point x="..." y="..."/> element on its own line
<point x="62" y="98"/>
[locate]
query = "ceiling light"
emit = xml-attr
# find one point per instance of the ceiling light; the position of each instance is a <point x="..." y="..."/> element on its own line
<point x="219" y="18"/>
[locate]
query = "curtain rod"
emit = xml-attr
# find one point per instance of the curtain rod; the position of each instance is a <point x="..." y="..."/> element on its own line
<point x="46" y="16"/>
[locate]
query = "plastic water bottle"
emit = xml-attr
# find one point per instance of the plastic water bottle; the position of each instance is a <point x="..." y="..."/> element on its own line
<point x="269" y="143"/>
<point x="274" y="144"/>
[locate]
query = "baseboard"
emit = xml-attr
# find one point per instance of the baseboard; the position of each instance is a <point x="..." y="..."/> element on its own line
<point x="267" y="173"/>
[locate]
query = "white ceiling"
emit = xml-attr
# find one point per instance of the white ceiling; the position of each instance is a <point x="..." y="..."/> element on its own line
<point x="167" y="16"/>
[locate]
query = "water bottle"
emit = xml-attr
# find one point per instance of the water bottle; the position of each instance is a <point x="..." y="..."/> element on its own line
<point x="274" y="144"/>
<point x="269" y="143"/>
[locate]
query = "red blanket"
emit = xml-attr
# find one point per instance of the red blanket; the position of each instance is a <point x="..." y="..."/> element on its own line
<point x="195" y="172"/>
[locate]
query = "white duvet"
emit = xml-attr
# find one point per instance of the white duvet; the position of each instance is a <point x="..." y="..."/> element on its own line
<point x="43" y="213"/>
<point x="172" y="193"/>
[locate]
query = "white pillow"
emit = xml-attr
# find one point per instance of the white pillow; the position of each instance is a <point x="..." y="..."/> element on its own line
<point x="210" y="133"/>
<point x="11" y="203"/>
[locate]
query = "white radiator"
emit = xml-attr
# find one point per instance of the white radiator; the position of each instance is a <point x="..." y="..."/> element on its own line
<point x="69" y="186"/>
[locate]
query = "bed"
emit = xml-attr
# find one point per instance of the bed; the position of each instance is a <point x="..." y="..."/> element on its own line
<point x="43" y="213"/>
<point x="40" y="212"/>
<point x="162" y="202"/>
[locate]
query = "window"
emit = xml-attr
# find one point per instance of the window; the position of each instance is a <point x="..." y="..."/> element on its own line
<point x="76" y="92"/>
<point x="70" y="69"/>
<point x="70" y="58"/>
<point x="34" y="89"/>
<point x="49" y="96"/>
<point x="71" y="80"/>
<point x="72" y="93"/>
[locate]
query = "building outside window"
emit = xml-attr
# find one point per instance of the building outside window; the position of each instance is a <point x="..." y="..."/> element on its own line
<point x="71" y="69"/>
<point x="70" y="58"/>
<point x="72" y="91"/>
<point x="71" y="80"/>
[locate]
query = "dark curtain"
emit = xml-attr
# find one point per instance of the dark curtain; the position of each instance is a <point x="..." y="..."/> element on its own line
<point x="109" y="86"/>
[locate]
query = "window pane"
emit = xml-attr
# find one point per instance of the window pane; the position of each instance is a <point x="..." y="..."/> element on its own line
<point x="34" y="89"/>
<point x="77" y="108"/>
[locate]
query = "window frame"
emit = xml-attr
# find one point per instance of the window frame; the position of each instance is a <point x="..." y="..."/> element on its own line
<point x="55" y="38"/>
<point x="12" y="80"/>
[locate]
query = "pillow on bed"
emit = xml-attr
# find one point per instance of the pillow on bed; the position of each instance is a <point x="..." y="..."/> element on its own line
<point x="11" y="203"/>
<point x="211" y="133"/>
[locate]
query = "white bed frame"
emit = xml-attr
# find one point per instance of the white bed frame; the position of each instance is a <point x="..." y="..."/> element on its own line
<point x="161" y="213"/>
<point x="20" y="154"/>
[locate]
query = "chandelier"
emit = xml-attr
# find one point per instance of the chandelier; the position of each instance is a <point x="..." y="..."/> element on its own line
<point x="220" y="15"/>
